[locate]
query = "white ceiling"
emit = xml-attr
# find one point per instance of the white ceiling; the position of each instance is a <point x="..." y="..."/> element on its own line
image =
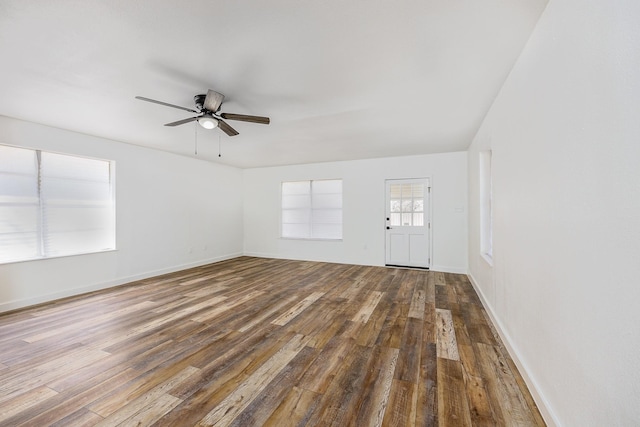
<point x="339" y="79"/>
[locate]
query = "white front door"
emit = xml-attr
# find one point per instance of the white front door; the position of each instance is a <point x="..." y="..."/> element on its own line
<point x="407" y="222"/>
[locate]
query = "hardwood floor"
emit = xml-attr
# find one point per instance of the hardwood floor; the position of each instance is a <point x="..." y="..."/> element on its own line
<point x="252" y="342"/>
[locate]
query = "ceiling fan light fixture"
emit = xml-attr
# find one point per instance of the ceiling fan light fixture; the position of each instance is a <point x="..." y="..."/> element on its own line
<point x="208" y="122"/>
<point x="206" y="110"/>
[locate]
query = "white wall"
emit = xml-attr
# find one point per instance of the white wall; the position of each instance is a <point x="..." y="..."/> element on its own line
<point x="173" y="212"/>
<point x="565" y="136"/>
<point x="363" y="211"/>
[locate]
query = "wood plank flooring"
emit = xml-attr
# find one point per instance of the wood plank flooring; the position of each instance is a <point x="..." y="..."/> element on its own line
<point x="263" y="342"/>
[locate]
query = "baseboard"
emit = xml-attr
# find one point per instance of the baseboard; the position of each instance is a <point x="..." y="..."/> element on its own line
<point x="440" y="268"/>
<point x="446" y="269"/>
<point x="27" y="302"/>
<point x="267" y="255"/>
<point x="534" y="389"/>
<point x="294" y="258"/>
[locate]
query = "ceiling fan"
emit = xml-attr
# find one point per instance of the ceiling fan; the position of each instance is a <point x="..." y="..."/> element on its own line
<point x="209" y="117"/>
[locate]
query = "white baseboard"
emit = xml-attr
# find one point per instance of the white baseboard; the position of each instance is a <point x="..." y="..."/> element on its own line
<point x="446" y="269"/>
<point x="266" y="255"/>
<point x="295" y="258"/>
<point x="534" y="389"/>
<point x="14" y="305"/>
<point x="435" y="267"/>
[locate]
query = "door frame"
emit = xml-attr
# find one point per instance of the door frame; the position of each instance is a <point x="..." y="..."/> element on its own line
<point x="428" y="212"/>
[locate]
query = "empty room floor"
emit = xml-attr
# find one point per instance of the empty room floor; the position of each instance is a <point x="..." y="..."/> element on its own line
<point x="255" y="341"/>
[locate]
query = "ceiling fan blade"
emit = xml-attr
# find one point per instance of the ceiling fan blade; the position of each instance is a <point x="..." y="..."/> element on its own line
<point x="142" y="98"/>
<point x="213" y="101"/>
<point x="246" y="118"/>
<point x="183" y="121"/>
<point x="227" y="129"/>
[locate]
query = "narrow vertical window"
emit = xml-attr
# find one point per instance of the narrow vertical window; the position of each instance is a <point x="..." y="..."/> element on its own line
<point x="312" y="209"/>
<point x="486" y="206"/>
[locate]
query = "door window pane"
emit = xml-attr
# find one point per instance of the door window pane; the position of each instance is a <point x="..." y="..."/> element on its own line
<point x="395" y="219"/>
<point x="406" y="219"/>
<point x="406" y="205"/>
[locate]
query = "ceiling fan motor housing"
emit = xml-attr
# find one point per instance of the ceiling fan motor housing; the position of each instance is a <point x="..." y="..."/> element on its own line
<point x="199" y="100"/>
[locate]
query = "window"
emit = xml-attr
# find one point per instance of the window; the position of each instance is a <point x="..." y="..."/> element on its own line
<point x="312" y="209"/>
<point x="54" y="205"/>
<point x="486" y="208"/>
<point x="406" y="205"/>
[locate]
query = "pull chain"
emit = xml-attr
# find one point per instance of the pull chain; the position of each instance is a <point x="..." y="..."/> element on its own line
<point x="196" y="137"/>
<point x="219" y="150"/>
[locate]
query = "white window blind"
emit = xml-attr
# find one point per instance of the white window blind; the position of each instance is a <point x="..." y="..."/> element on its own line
<point x="312" y="209"/>
<point x="54" y="205"/>
<point x="19" y="204"/>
